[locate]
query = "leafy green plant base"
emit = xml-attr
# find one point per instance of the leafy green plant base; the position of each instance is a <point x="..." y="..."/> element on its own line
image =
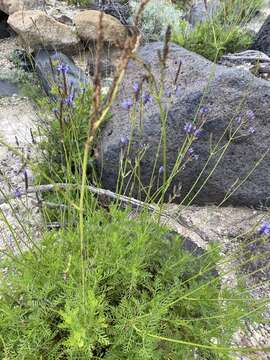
<point x="116" y="296"/>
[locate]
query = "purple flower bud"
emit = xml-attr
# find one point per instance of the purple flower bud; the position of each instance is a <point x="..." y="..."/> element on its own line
<point x="124" y="141"/>
<point x="17" y="193"/>
<point x="250" y="115"/>
<point x="251" y="130"/>
<point x="146" y="98"/>
<point x="188" y="128"/>
<point x="69" y="99"/>
<point x="62" y="68"/>
<point x="264" y="228"/>
<point x="26" y="183"/>
<point x="238" y="119"/>
<point x="161" y="170"/>
<point x="192" y="154"/>
<point x="136" y="88"/>
<point x="203" y="110"/>
<point x="197" y="133"/>
<point x="178" y="91"/>
<point x="127" y="104"/>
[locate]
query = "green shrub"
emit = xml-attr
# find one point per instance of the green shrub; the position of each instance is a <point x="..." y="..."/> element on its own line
<point x="158" y="14"/>
<point x="212" y="39"/>
<point x="221" y="34"/>
<point x="80" y="2"/>
<point x="238" y="11"/>
<point x="139" y="286"/>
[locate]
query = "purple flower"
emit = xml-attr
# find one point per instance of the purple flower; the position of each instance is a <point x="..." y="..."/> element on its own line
<point x="238" y="119"/>
<point x="17" y="193"/>
<point x="192" y="154"/>
<point x="188" y="128"/>
<point x="203" y="110"/>
<point x="62" y="68"/>
<point x="178" y="91"/>
<point x="124" y="140"/>
<point x="161" y="170"/>
<point x="264" y="228"/>
<point x="69" y="99"/>
<point x="146" y="98"/>
<point x="127" y="104"/>
<point x="136" y="88"/>
<point x="250" y="114"/>
<point x="251" y="130"/>
<point x="197" y="133"/>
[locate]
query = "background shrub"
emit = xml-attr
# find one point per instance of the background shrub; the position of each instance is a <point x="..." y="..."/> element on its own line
<point x="157" y="15"/>
<point x="222" y="33"/>
<point x="211" y="39"/>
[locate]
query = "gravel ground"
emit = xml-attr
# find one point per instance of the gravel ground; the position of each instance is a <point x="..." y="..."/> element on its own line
<point x="17" y="117"/>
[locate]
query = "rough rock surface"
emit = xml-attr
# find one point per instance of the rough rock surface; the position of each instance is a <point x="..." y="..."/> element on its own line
<point x="257" y="62"/>
<point x="11" y="6"/>
<point x="262" y="41"/>
<point x="259" y="17"/>
<point x="225" y="93"/>
<point x="87" y="23"/>
<point x="38" y="30"/>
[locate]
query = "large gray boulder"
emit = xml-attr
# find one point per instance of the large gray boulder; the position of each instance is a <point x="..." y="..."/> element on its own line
<point x="50" y="66"/>
<point x="262" y="41"/>
<point x="227" y="93"/>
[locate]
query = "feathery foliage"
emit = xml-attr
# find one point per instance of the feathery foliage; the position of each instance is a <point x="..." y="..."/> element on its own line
<point x="140" y="285"/>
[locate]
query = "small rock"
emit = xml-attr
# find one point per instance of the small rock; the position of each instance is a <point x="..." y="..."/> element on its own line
<point x="38" y="30"/>
<point x="257" y="62"/>
<point x="64" y="19"/>
<point x="87" y="23"/>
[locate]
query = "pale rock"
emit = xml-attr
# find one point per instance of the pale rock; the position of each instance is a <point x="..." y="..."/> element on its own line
<point x="38" y="30"/>
<point x="87" y="24"/>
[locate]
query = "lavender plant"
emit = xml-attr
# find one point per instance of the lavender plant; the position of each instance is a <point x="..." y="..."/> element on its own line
<point x="106" y="286"/>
